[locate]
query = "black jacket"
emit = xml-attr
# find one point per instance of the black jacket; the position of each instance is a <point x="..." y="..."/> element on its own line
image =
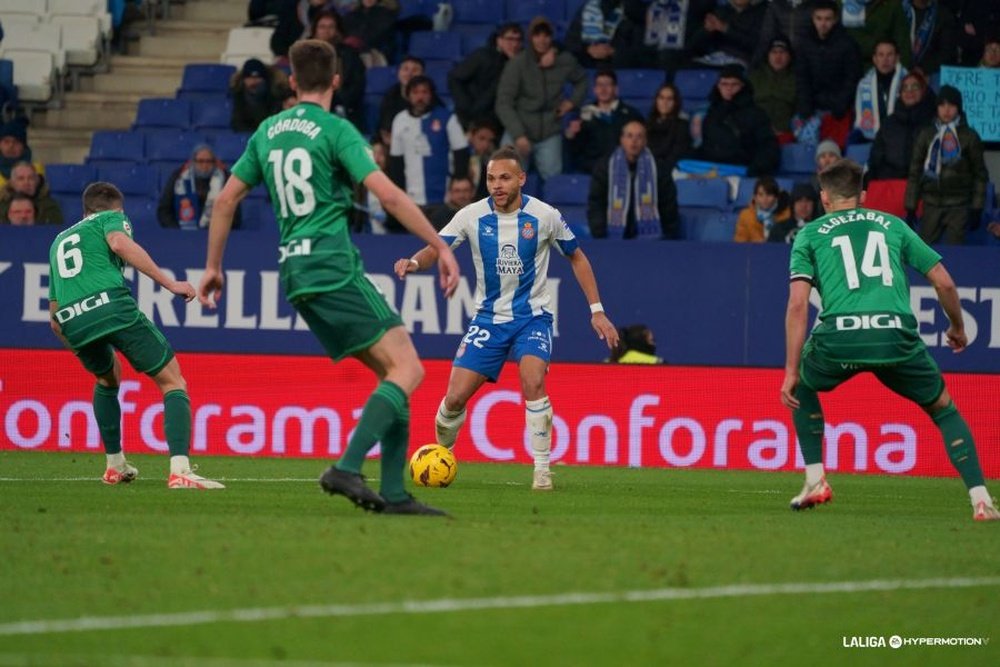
<point x="375" y="26"/>
<point x="668" y="139"/>
<point x="893" y="145"/>
<point x="962" y="183"/>
<point x="597" y="203"/>
<point x="739" y="132"/>
<point x="826" y="72"/>
<point x="473" y="84"/>
<point x="348" y="100"/>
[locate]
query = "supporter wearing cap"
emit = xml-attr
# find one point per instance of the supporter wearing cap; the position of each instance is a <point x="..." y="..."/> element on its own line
<point x="14" y="147"/>
<point x="257" y="92"/>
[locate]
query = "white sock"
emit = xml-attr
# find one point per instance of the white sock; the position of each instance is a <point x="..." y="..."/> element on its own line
<point x="115" y="460"/>
<point x="179" y="465"/>
<point x="979" y="494"/>
<point x="447" y="424"/>
<point x="814" y="473"/>
<point x="538" y="417"/>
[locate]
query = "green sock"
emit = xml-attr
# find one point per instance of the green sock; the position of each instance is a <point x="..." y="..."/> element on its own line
<point x="395" y="442"/>
<point x="960" y="445"/>
<point x="177" y="421"/>
<point x="809" y="424"/>
<point x="381" y="411"/>
<point x="108" y="414"/>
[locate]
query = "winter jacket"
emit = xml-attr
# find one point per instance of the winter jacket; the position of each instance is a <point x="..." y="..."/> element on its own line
<point x="739" y="132"/>
<point x="599" y="135"/>
<point x="960" y="184"/>
<point x="528" y="96"/>
<point x="826" y="72"/>
<point x="668" y="139"/>
<point x="597" y="202"/>
<point x="749" y="229"/>
<point x="47" y="209"/>
<point x="375" y="26"/>
<point x="774" y="92"/>
<point x="884" y="19"/>
<point x="627" y="41"/>
<point x="473" y="83"/>
<point x="893" y="145"/>
<point x="943" y="49"/>
<point x="739" y="40"/>
<point x="783" y="19"/>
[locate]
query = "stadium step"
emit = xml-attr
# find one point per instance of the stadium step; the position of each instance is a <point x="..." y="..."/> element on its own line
<point x="197" y="47"/>
<point x="60" y="144"/>
<point x="150" y="84"/>
<point x="233" y="12"/>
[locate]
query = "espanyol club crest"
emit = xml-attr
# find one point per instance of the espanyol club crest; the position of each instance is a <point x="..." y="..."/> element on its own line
<point x="527" y="232"/>
<point x="435" y="125"/>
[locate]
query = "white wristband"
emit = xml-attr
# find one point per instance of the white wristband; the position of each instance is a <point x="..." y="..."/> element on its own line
<point x="415" y="263"/>
<point x="596" y="307"/>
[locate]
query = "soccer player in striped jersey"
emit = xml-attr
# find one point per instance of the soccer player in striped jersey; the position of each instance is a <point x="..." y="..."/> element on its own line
<point x="856" y="259"/>
<point x="511" y="236"/>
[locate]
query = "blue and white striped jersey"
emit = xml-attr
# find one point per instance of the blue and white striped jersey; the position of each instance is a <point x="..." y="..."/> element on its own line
<point x="425" y="144"/>
<point x="511" y="254"/>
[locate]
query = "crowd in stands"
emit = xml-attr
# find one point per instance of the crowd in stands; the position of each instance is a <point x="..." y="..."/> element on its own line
<point x="631" y="98"/>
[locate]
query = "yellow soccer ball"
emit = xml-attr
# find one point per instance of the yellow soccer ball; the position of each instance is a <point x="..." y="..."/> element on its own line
<point x="433" y="465"/>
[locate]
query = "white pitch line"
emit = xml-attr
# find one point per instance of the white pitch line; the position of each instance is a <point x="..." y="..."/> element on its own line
<point x="450" y="605"/>
<point x="221" y="479"/>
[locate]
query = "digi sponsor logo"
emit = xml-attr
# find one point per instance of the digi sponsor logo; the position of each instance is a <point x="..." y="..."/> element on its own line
<point x="877" y="321"/>
<point x="64" y="315"/>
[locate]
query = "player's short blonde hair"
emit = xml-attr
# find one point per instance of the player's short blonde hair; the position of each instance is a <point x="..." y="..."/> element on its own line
<point x="842" y="180"/>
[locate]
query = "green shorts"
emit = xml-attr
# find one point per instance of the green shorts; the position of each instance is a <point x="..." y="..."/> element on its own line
<point x="146" y="349"/>
<point x="348" y="319"/>
<point x="917" y="378"/>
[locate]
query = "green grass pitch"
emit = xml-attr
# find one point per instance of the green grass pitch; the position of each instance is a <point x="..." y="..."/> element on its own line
<point x="671" y="567"/>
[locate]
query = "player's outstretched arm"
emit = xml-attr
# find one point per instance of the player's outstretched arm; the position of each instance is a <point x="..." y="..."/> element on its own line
<point x="210" y="287"/>
<point x="584" y="274"/>
<point x="948" y="297"/>
<point x="796" y="322"/>
<point x="136" y="255"/>
<point x="425" y="257"/>
<point x="401" y="207"/>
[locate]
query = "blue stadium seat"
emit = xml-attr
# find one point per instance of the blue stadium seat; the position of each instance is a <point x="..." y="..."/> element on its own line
<point x="69" y="179"/>
<point x="479" y="11"/>
<point x="744" y="192"/>
<point x="371" y="107"/>
<point x="7" y="81"/>
<point x="163" y="112"/>
<point x="859" y="153"/>
<point x="229" y="146"/>
<point x="703" y="192"/>
<point x="70" y="205"/>
<point x="212" y="114"/>
<point x="522" y="11"/>
<point x="570" y="189"/>
<point x="206" y="78"/>
<point x="639" y="82"/>
<point x="798" y="159"/>
<point x="572" y="7"/>
<point x="171" y="147"/>
<point x="576" y="219"/>
<point x="136" y="180"/>
<point x="435" y="45"/>
<point x="142" y="211"/>
<point x="695" y="84"/>
<point x="113" y="146"/>
<point x="438" y="70"/>
<point x="380" y="79"/>
<point x="410" y="8"/>
<point x="532" y="184"/>
<point x="474" y="35"/>
<point x="640" y="104"/>
<point x="707" y="224"/>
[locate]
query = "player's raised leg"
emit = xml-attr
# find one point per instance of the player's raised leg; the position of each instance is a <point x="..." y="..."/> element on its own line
<point x="462" y="386"/>
<point x="108" y="415"/>
<point x="538" y="418"/>
<point x="177" y="428"/>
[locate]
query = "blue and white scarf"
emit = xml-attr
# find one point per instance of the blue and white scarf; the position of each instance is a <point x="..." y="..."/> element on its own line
<point x="866" y="116"/>
<point x="187" y="208"/>
<point x="766" y="216"/>
<point x="666" y="21"/>
<point x="620" y="195"/>
<point x="852" y="14"/>
<point x="920" y="35"/>
<point x="594" y="28"/>
<point x="945" y="149"/>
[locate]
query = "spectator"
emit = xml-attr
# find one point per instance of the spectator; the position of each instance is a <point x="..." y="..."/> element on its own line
<point x="631" y="195"/>
<point x="636" y="345"/>
<point x="14" y="148"/>
<point x="189" y="194"/>
<point x="774" y="88"/>
<point x="934" y="32"/>
<point x="669" y="27"/>
<point x="668" y="128"/>
<point x="348" y="98"/>
<point x="870" y="22"/>
<point x="736" y="131"/>
<point x="979" y="20"/>
<point x="394" y="99"/>
<point x="20" y="210"/>
<point x="257" y="92"/>
<point x="827" y="152"/>
<point x="460" y="194"/>
<point x="893" y="145"/>
<point x="473" y="82"/>
<point x="768" y="207"/>
<point x="530" y="101"/>
<point x="791" y="19"/>
<point x="877" y="92"/>
<point x="372" y="26"/>
<point x="827" y="69"/>
<point x="24" y="180"/>
<point x="803" y="212"/>
<point x="289" y="18"/>
<point x="947" y="174"/>
<point x="729" y="34"/>
<point x="607" y="33"/>
<point x="596" y="132"/>
<point x="370" y="215"/>
<point x="483" y="136"/>
<point x="428" y="145"/>
<point x="991" y="53"/>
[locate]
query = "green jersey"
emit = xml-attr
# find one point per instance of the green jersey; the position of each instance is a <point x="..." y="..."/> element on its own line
<point x="310" y="160"/>
<point x="856" y="259"/>
<point x="86" y="281"/>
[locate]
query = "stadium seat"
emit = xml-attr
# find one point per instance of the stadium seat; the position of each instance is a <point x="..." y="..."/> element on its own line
<point x="567" y="189"/>
<point x="707" y="224"/>
<point x="703" y="192"/>
<point x="212" y="114"/>
<point x="37" y="8"/>
<point x="380" y="79"/>
<point x="490" y="12"/>
<point x="434" y="45"/>
<point x="245" y="43"/>
<point x="70" y="205"/>
<point x="640" y="82"/>
<point x="43" y="37"/>
<point x="572" y="7"/>
<point x="474" y="35"/>
<point x="695" y="85"/>
<point x="171" y="147"/>
<point x="798" y="159"/>
<point x="522" y="11"/>
<point x="81" y="39"/>
<point x="229" y="146"/>
<point x="135" y="180"/>
<point x="744" y="192"/>
<point x="411" y="8"/>
<point x="141" y="211"/>
<point x="206" y="78"/>
<point x="34" y="74"/>
<point x="114" y="146"/>
<point x="95" y="8"/>
<point x="69" y="179"/>
<point x="438" y="70"/>
<point x="7" y="81"/>
<point x="640" y="104"/>
<point x="859" y="153"/>
<point x="576" y="219"/>
<point x="162" y="112"/>
<point x="11" y="19"/>
<point x="532" y="184"/>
